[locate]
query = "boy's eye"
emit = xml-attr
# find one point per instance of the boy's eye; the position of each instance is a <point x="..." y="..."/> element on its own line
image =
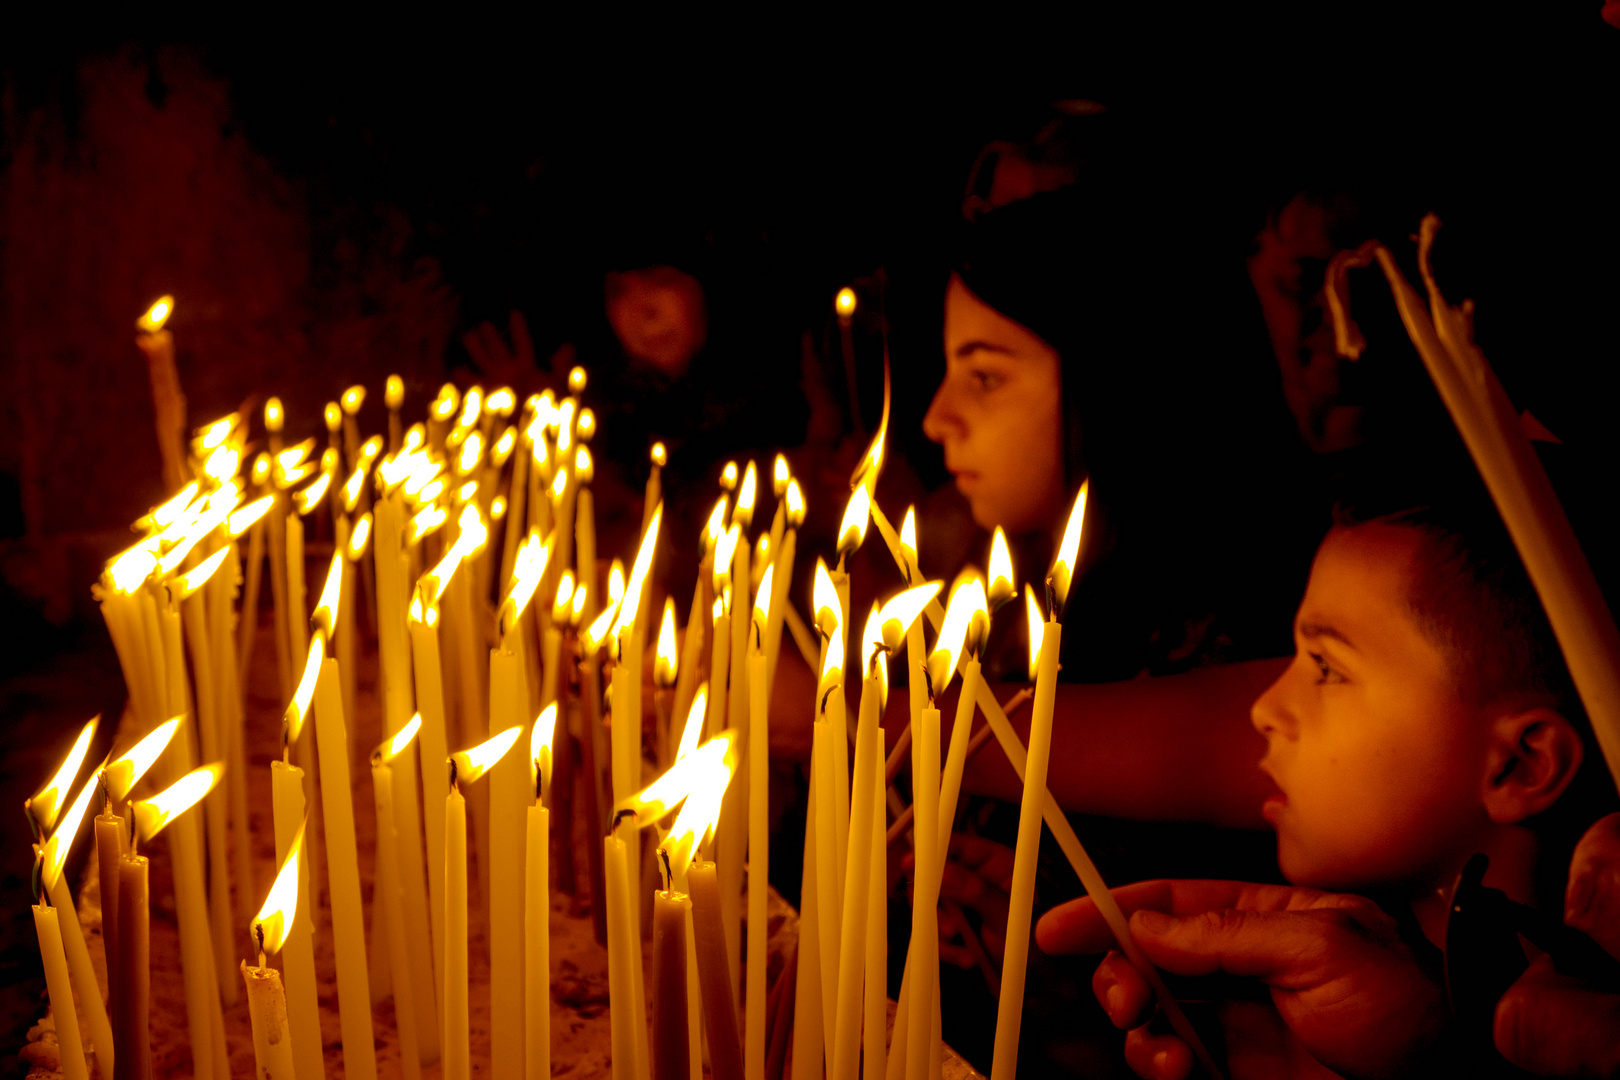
<point x="1325" y="674"/>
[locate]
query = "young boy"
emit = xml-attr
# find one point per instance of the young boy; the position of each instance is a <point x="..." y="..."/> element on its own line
<point x="1426" y="716"/>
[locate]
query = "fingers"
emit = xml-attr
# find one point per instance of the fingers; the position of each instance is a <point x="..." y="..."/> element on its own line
<point x="1122" y="992"/>
<point x="989" y="858"/>
<point x="1551" y="1025"/>
<point x="973" y="890"/>
<point x="522" y="344"/>
<point x="1288" y="950"/>
<point x="1592" y="901"/>
<point x="1160" y="1057"/>
<point x="475" y="348"/>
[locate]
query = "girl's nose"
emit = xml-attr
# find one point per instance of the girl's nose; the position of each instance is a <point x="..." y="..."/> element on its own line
<point x="1270" y="714"/>
<point x="943" y="421"/>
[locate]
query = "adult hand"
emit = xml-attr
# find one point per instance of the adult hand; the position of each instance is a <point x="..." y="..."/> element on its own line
<point x="503" y="365"/>
<point x="978" y="877"/>
<point x="1349" y="990"/>
<point x="1553" y="1025"/>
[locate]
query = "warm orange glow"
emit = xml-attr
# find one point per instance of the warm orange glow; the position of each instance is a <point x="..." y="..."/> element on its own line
<point x="151" y="815"/>
<point x="700" y="811"/>
<point x="311" y="496"/>
<point x="128" y="569"/>
<point x="121" y="775"/>
<point x="298" y="709"/>
<point x="528" y="567"/>
<point x="48" y="801"/>
<point x="693" y="731"/>
<point x="497" y="508"/>
<point x="466" y="491"/>
<point x="353" y="398"/>
<point x="658" y="455"/>
<point x="504" y="445"/>
<point x="294" y="456"/>
<point x="195" y="531"/>
<point x="724" y="551"/>
<point x="374" y="445"/>
<point x="844" y="302"/>
<point x="657" y="799"/>
<point x="597" y="632"/>
<point x="392" y="748"/>
<point x="908" y="541"/>
<point x="502" y="401"/>
<point x="1002" y="588"/>
<point x="61" y="841"/>
<point x="359" y="535"/>
<point x="615" y="581"/>
<point x="871" y="463"/>
<point x="583" y="468"/>
<point x="215" y="434"/>
<point x="744" y="514"/>
<point x="166" y="515"/>
<point x="444" y="406"/>
<point x="240" y="521"/>
<point x="829" y="611"/>
<point x="576" y="610"/>
<point x="156" y="315"/>
<point x="280" y="908"/>
<point x="967" y="601"/>
<point x="541" y="735"/>
<point x="668" y="657"/>
<point x="428" y="519"/>
<point x="1063" y="566"/>
<point x="274" y="415"/>
<point x="795" y="505"/>
<point x="326" y="612"/>
<point x="728" y="476"/>
<point x="1037" y="629"/>
<point x="565" y="423"/>
<point x="779" y="476"/>
<point x="353" y="486"/>
<point x="762" y="554"/>
<point x="585" y="426"/>
<point x="394" y="392"/>
<point x="333" y="415"/>
<point x="719" y="607"/>
<point x="261" y="468"/>
<point x="472" y="452"/>
<point x="423" y="475"/>
<point x="717" y="522"/>
<point x="832" y="669"/>
<point x="576" y="379"/>
<point x="559" y="484"/>
<point x="471" y="764"/>
<point x="471" y="406"/>
<point x="900" y="612"/>
<point x="871" y="638"/>
<point x="565" y="593"/>
<point x="198" y="575"/>
<point x="762" y="603"/>
<point x="852" y="531"/>
<point x="638" y="574"/>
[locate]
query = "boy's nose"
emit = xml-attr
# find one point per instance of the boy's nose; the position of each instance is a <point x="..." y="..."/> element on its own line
<point x="1268" y="714"/>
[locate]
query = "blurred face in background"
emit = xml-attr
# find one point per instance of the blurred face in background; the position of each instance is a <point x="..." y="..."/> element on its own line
<point x="658" y="315"/>
<point x="999" y="415"/>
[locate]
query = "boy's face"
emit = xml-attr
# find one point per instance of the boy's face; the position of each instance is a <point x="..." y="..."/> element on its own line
<point x="1379" y="758"/>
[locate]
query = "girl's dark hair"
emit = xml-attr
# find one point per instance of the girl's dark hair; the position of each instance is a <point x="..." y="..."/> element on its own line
<point x="1470" y="595"/>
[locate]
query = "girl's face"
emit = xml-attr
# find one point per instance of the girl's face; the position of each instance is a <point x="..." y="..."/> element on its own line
<point x="999" y="415"/>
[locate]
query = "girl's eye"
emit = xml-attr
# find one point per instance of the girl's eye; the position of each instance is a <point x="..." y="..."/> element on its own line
<point x="1325" y="674"/>
<point x="986" y="381"/>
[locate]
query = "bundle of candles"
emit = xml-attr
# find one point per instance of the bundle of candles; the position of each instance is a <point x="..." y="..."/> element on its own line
<point x="470" y="538"/>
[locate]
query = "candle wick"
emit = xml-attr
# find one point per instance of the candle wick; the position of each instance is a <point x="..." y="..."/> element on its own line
<point x="33" y="821"/>
<point x="669" y="874"/>
<point x="258" y="931"/>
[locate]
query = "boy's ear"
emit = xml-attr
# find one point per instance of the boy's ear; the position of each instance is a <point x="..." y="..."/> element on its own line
<point x="1531" y="758"/>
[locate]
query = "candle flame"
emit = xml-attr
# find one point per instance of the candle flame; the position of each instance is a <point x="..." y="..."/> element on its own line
<point x="332" y="415"/>
<point x="472" y="452"/>
<point x="394" y="392"/>
<point x="655" y="801"/>
<point x="151" y="815"/>
<point x="497" y="508"/>
<point x="311" y="496"/>
<point x="61" y="841"/>
<point x="728" y="476"/>
<point x="744" y="514"/>
<point x="353" y="486"/>
<point x="471" y="764"/>
<point x="658" y="454"/>
<point x="693" y="731"/>
<point x="762" y="601"/>
<point x="261" y="468"/>
<point x="48" y="801"/>
<point x="240" y="521"/>
<point x="353" y="398"/>
<point x="198" y="575"/>
<point x="156" y="315"/>
<point x="194" y="532"/>
<point x="473" y="531"/>
<point x="717" y="522"/>
<point x="900" y="612"/>
<point x="504" y="445"/>
<point x="325" y="616"/>
<point x="444" y="406"/>
<point x="466" y="492"/>
<point x="420" y="472"/>
<point x="638" y="573"/>
<point x="616" y="581"/>
<point x="577" y="608"/>
<point x="701" y="810"/>
<point x="280" y="910"/>
<point x="541" y="735"/>
<point x="274" y="415"/>
<point x="559" y="484"/>
<point x="528" y="566"/>
<point x="502" y="401"/>
<point x="872" y="640"/>
<point x="668" y="661"/>
<point x="719" y="607"/>
<point x="471" y="406"/>
<point x="358" y="537"/>
<point x="128" y="569"/>
<point x="795" y="505"/>
<point x="536" y="434"/>
<point x="1037" y="629"/>
<point x="576" y="379"/>
<point x="294" y="456"/>
<point x="583" y="466"/>
<point x="824" y="598"/>
<point x="392" y="748"/>
<point x="428" y="519"/>
<point x="908" y="541"/>
<point x="298" y="709"/>
<point x="852" y="532"/>
<point x="1002" y="588"/>
<point x="565" y="424"/>
<point x="414" y="438"/>
<point x="585" y="426"/>
<point x="967" y="602"/>
<point x="121" y="775"/>
<point x="844" y="302"/>
<point x="1063" y="566"/>
<point x="597" y="632"/>
<point x="724" y="551"/>
<point x="779" y="475"/>
<point x="565" y="593"/>
<point x="215" y="434"/>
<point x="166" y="515"/>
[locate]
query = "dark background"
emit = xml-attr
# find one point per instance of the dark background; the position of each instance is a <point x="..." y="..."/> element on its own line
<point x="330" y="206"/>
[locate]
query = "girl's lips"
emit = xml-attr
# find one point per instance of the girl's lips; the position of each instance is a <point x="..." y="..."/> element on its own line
<point x="1273" y="807"/>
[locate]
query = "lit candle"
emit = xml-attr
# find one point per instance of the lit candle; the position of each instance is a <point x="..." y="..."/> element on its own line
<point x="393" y="398"/>
<point x="537" y="904"/>
<point x="391" y="893"/>
<point x="664" y="679"/>
<point x="1021" y="897"/>
<point x="274" y="417"/>
<point x="657" y="455"/>
<point x="759" y="833"/>
<point x="670" y="1057"/>
<point x="57" y="958"/>
<point x="434" y="742"/>
<point x="49" y="931"/>
<point x="807" y="1005"/>
<point x="714" y="973"/>
<point x="134" y="1045"/>
<point x="784" y="558"/>
<point x="621" y="960"/>
<point x="267" y="1003"/>
<point x="465" y="767"/>
<point x="298" y="949"/>
<point x="168" y="403"/>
